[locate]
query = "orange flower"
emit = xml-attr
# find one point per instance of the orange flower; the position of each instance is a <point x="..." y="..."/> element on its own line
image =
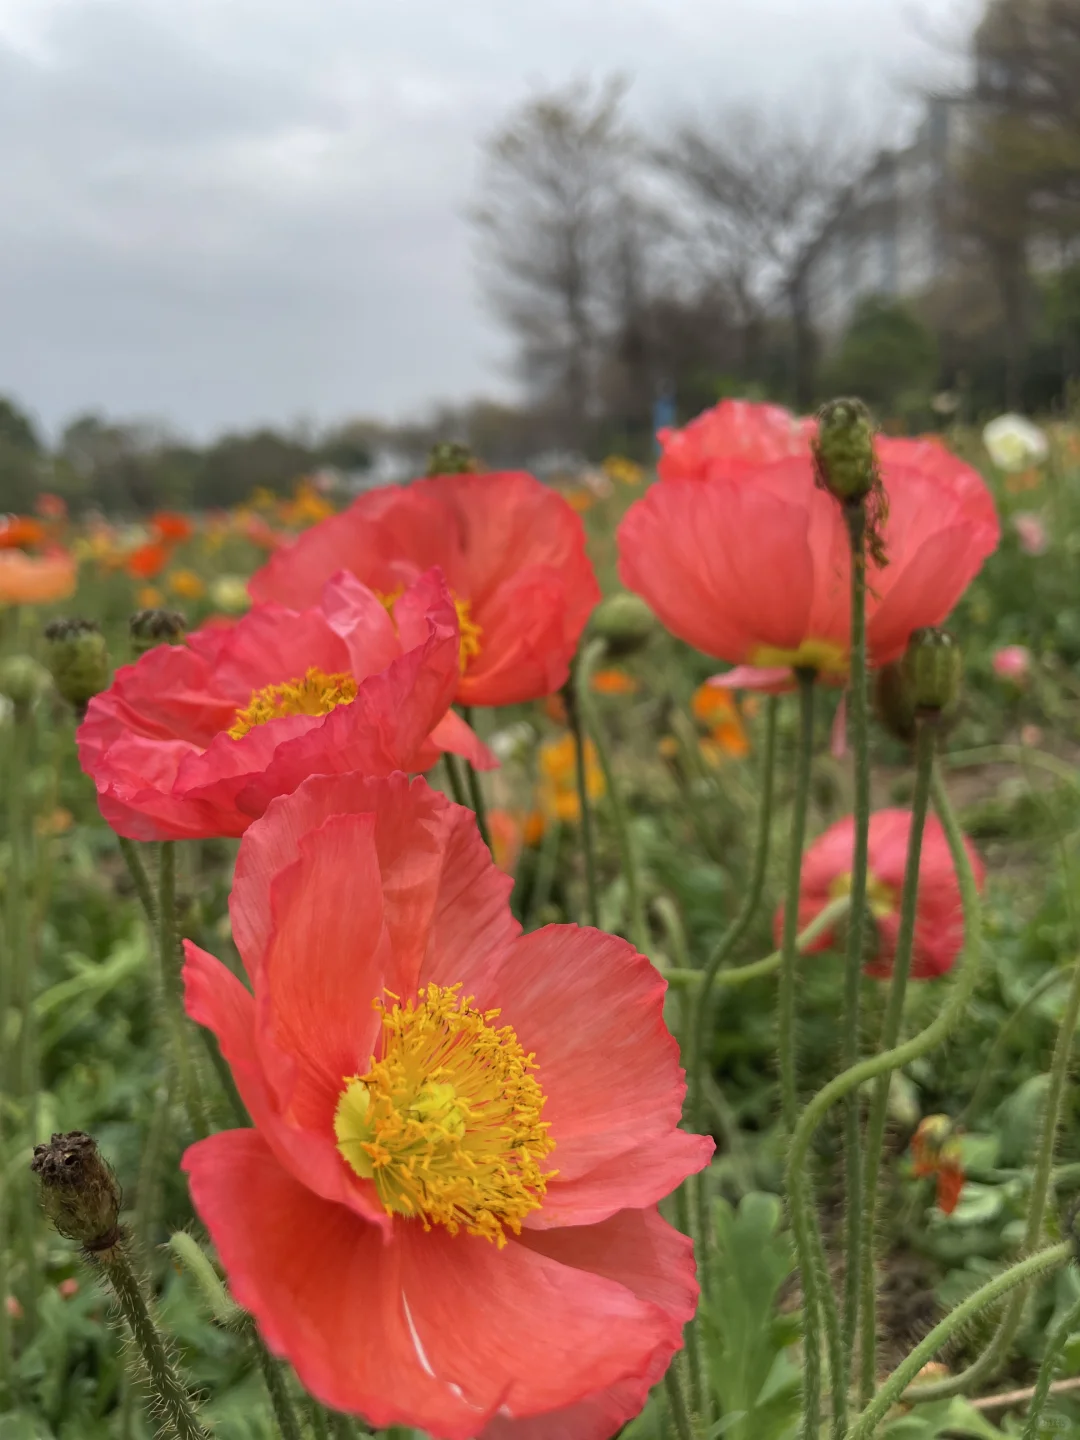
<point x="36" y="579"/>
<point x="147" y="561"/>
<point x="172" y="527"/>
<point x="712" y="704"/>
<point x="20" y="532"/>
<point x="555" y="708"/>
<point x="935" y="1150"/>
<point x="506" y="838"/>
<point x="57" y="822"/>
<point x="185" y="583"/>
<point x="580" y="499"/>
<point x="730" y="738"/>
<point x="558" y="772"/>
<point x="149" y="597"/>
<point x="614" y="682"/>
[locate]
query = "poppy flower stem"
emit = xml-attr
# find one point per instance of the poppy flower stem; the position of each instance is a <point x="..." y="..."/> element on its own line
<point x="588" y="845"/>
<point x="172" y="995"/>
<point x="1051" y="1357"/>
<point x="476" y="793"/>
<point x="680" y="1415"/>
<point x="453" y="774"/>
<point x="925" y="745"/>
<point x="943" y="1024"/>
<point x="858" y="732"/>
<point x="758" y="969"/>
<point x="639" y="929"/>
<point x="740" y="924"/>
<point x="1034" y="1267"/>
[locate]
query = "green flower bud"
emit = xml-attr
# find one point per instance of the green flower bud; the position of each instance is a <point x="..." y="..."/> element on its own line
<point x="79" y="660"/>
<point x="933" y="667"/>
<point x="23" y="681"/>
<point x="893" y="704"/>
<point x="79" y="1192"/>
<point x="156" y="627"/>
<point x="450" y="458"/>
<point x="844" y="450"/>
<point x="624" y="622"/>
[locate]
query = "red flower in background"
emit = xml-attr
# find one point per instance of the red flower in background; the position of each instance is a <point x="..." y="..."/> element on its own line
<point x="147" y="560"/>
<point x="50" y="506"/>
<point x="171" y="527"/>
<point x="750" y="562"/>
<point x="196" y="739"/>
<point x="936" y="1152"/>
<point x="21" y="532"/>
<point x="939" y="917"/>
<point x="513" y="553"/>
<point x="446" y="1211"/>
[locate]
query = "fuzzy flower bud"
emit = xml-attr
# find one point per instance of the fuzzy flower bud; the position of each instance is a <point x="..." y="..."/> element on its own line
<point x="624" y="622"/>
<point x="933" y="667"/>
<point x="156" y="627"/>
<point x="79" y="660"/>
<point x="844" y="450"/>
<point x="892" y="701"/>
<point x="450" y="458"/>
<point x="23" y="681"/>
<point x="79" y="1192"/>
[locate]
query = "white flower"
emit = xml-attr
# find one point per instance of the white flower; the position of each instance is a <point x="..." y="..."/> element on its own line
<point x="1014" y="443"/>
<point x="229" y="593"/>
<point x="514" y="742"/>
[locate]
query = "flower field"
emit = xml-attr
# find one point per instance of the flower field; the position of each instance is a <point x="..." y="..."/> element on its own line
<point x="492" y="958"/>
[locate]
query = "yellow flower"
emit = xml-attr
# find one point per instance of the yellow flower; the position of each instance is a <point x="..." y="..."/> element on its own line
<point x="229" y="593"/>
<point x="307" y="507"/>
<point x="580" y="499"/>
<point x="625" y="471"/>
<point x="558" y="777"/>
<point x="149" y="597"/>
<point x="185" y="583"/>
<point x="57" y="822"/>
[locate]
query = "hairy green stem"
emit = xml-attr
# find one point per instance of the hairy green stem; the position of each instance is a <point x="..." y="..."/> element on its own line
<point x="859" y="735"/>
<point x="476" y="793"/>
<point x="318" y="1420"/>
<point x="711" y="975"/>
<point x="988" y="1068"/>
<point x="588" y="846"/>
<point x="687" y="1222"/>
<point x="137" y="870"/>
<point x="276" y="1389"/>
<point x="788" y="949"/>
<point x="639" y="929"/>
<point x="1051" y="1356"/>
<point x="1033" y="1268"/>
<point x="758" y="969"/>
<point x="925" y="740"/>
<point x="546" y="862"/>
<point x="677" y="1403"/>
<point x="172" y="992"/>
<point x="804" y="1216"/>
<point x="165" y="1385"/>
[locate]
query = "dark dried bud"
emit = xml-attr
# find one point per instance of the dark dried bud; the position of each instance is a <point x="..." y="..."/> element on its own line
<point x="893" y="705"/>
<point x="79" y="660"/>
<point x="450" y="458"/>
<point x="79" y="1192"/>
<point x="156" y="627"/>
<point x="624" y="623"/>
<point x="23" y="681"/>
<point x="844" y="450"/>
<point x="933" y="667"/>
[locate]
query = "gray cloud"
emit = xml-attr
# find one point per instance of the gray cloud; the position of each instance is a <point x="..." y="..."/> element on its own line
<point x="242" y="210"/>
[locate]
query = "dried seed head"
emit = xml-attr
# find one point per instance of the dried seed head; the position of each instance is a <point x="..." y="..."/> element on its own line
<point x="79" y="1192"/>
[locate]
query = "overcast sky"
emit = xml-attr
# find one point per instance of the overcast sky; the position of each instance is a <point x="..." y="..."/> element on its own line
<point x="222" y="212"/>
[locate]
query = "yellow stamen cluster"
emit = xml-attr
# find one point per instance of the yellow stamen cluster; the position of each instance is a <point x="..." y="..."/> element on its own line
<point x="315" y="693"/>
<point x="881" y="898"/>
<point x="447" y="1122"/>
<point x="470" y="630"/>
<point x="829" y="659"/>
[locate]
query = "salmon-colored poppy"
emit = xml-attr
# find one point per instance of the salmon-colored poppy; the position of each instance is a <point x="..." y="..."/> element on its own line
<point x="445" y="1215"/>
<point x="749" y="561"/>
<point x="939" y="917"/>
<point x="147" y="561"/>
<point x="733" y="437"/>
<point x="50" y="506"/>
<point x="36" y="579"/>
<point x="21" y="532"/>
<point x="171" y="527"/>
<point x="196" y="739"/>
<point x="513" y="553"/>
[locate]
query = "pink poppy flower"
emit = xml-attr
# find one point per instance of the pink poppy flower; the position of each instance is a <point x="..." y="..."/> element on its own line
<point x="1012" y="662"/>
<point x="445" y="1215"/>
<point x="939" y="920"/>
<point x="1031" y="532"/>
<point x="196" y="739"/>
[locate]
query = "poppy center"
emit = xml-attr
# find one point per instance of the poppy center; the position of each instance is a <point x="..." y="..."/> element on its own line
<point x="315" y="693"/>
<point x="469" y="629"/>
<point x="881" y="898"/>
<point x="447" y="1122"/>
<point x="825" y="656"/>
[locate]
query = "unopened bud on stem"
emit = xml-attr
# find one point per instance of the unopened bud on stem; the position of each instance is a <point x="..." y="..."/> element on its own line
<point x="933" y="668"/>
<point x="79" y="660"/>
<point x="844" y="450"/>
<point x="156" y="627"/>
<point x="451" y="458"/>
<point x="79" y="1192"/>
<point x="624" y="623"/>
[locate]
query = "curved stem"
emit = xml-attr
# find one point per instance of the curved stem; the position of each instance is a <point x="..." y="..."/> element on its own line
<point x="573" y="715"/>
<point x="858" y="731"/>
<point x="925" y="738"/>
<point x="757" y="969"/>
<point x="739" y="925"/>
<point x="895" y="1386"/>
<point x="1054" y="1346"/>
<point x="803" y="1214"/>
<point x="638" y="926"/>
<point x="165" y="1385"/>
<point x="1018" y="755"/>
<point x="989" y="1064"/>
<point x="476" y="792"/>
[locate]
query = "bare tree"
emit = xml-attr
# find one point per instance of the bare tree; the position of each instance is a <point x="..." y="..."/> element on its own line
<point x="553" y="226"/>
<point x="771" y="197"/>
